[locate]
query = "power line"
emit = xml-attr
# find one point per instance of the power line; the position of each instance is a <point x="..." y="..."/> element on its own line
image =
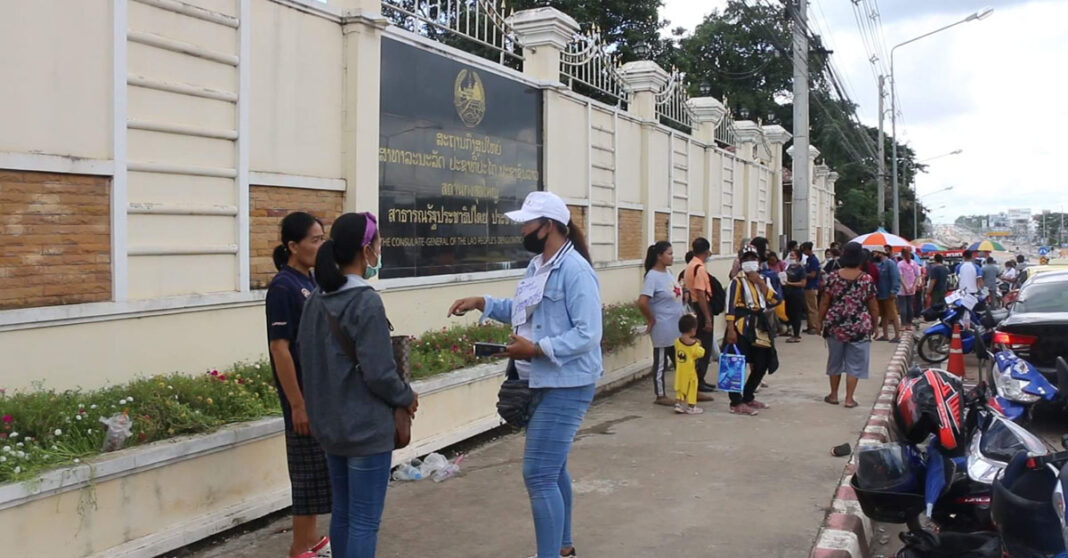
<point x="835" y="120"/>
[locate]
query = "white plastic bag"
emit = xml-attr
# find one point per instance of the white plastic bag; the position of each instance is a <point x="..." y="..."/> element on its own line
<point x="432" y="464"/>
<point x="120" y="427"/>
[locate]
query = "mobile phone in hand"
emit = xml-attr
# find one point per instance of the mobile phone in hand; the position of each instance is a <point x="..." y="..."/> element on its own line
<point x="489" y="349"/>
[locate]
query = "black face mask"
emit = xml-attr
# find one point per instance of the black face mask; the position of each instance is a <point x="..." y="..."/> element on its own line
<point x="533" y="244"/>
<point x="878" y="259"/>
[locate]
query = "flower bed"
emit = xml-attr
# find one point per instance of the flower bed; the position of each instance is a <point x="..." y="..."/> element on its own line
<point x="45" y="429"/>
<point x="451" y="349"/>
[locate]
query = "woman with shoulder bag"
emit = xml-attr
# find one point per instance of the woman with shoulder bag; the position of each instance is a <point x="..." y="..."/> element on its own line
<point x="556" y="313"/>
<point x="351" y="384"/>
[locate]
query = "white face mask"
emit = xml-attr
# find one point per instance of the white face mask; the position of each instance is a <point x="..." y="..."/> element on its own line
<point x="790" y="261"/>
<point x="750" y="267"/>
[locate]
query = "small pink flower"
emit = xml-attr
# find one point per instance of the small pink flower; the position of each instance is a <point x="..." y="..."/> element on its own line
<point x="8" y="418"/>
<point x="222" y="377"/>
<point x="455" y="348"/>
<point x="214" y="372"/>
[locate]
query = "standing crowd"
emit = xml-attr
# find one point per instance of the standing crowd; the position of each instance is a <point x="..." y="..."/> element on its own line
<point x="841" y="299"/>
<point x="347" y="405"/>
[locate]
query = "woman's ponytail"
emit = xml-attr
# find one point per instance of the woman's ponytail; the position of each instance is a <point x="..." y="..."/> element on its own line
<point x="578" y="240"/>
<point x="327" y="272"/>
<point x="344" y="245"/>
<point x="280" y="256"/>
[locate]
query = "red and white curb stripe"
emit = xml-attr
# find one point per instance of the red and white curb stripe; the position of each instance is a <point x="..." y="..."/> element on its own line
<point x="846" y="531"/>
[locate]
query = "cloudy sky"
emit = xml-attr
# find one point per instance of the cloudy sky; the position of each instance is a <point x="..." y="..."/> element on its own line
<point x="992" y="88"/>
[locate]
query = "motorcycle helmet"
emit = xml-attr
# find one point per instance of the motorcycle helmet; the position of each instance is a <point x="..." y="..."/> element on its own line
<point x="889" y="482"/>
<point x="931" y="403"/>
<point x="1024" y="512"/>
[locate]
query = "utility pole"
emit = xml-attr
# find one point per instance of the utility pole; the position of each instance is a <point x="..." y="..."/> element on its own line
<point x="882" y="156"/>
<point x="799" y="210"/>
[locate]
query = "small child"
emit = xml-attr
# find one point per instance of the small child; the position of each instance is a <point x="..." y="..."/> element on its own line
<point x="687" y="350"/>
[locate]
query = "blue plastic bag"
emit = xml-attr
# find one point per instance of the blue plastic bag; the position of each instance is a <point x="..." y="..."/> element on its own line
<point x="731" y="371"/>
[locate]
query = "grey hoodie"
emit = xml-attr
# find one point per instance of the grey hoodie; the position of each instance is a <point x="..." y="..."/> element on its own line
<point x="350" y="409"/>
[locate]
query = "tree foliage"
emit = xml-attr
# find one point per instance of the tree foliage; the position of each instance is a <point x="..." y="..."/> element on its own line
<point x="743" y="53"/>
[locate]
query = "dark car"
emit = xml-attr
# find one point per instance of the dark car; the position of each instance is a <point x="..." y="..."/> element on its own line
<point x="1037" y="327"/>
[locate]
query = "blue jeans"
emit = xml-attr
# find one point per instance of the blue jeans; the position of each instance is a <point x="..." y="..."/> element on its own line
<point x="558" y="412"/>
<point x="359" y="489"/>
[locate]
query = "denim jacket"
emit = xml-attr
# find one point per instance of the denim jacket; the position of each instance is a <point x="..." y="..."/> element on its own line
<point x="567" y="325"/>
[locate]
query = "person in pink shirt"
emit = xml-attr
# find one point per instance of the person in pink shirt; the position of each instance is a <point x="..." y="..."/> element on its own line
<point x="910" y="280"/>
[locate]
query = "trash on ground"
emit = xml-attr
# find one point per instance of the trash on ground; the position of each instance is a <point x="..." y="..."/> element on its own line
<point x="841" y="450"/>
<point x="120" y="427"/>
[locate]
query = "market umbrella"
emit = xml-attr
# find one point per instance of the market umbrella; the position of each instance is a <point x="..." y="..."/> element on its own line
<point x="881" y="238"/>
<point x="922" y="241"/>
<point x="929" y="247"/>
<point x="987" y="246"/>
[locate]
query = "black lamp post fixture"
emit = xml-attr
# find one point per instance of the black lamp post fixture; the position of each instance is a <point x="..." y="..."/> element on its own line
<point x="642" y="50"/>
<point x="705" y="88"/>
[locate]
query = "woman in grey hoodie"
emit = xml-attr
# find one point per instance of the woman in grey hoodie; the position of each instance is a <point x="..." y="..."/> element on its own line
<point x="350" y="404"/>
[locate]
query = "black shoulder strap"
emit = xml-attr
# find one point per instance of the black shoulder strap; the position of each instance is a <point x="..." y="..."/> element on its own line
<point x="341" y="338"/>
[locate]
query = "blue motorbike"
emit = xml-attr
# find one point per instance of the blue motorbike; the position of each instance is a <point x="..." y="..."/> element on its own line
<point x="934" y="345"/>
<point x="1020" y="386"/>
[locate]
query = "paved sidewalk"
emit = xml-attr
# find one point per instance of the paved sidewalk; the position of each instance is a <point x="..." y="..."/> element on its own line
<point x="647" y="482"/>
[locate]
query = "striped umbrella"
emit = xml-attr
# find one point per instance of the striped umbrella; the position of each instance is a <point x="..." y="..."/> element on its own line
<point x="929" y="247"/>
<point x="987" y="246"/>
<point x="881" y="238"/>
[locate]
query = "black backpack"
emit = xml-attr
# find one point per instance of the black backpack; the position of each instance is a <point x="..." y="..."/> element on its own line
<point x="718" y="302"/>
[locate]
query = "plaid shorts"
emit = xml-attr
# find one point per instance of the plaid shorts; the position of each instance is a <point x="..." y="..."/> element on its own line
<point x="308" y="475"/>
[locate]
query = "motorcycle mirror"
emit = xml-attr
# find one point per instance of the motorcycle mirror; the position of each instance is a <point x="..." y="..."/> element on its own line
<point x="1064" y="441"/>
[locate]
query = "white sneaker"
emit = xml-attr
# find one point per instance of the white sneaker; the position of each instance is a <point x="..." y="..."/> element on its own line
<point x="695" y="410"/>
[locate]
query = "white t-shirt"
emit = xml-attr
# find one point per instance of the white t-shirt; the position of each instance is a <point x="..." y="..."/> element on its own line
<point x="968" y="276"/>
<point x="666" y="303"/>
<point x="1009" y="274"/>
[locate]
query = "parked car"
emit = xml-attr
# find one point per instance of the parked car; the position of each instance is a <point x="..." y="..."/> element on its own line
<point x="1037" y="326"/>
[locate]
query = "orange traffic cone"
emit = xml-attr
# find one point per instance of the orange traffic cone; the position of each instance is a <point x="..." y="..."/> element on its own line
<point x="956" y="353"/>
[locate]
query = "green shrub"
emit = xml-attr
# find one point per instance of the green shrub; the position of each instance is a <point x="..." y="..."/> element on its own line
<point x="44" y="429"/>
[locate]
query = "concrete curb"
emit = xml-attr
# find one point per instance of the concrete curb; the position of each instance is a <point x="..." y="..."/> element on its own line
<point x="846" y="532"/>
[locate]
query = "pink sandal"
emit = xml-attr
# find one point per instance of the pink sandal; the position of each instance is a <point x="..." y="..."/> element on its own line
<point x="744" y="409"/>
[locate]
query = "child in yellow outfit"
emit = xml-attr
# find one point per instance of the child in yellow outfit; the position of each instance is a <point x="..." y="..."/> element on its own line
<point x="687" y="350"/>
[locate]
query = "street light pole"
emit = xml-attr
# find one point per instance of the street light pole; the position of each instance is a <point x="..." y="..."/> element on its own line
<point x="916" y="204"/>
<point x="981" y="14"/>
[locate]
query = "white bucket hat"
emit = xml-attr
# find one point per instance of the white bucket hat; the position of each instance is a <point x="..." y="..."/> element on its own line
<point x="539" y="205"/>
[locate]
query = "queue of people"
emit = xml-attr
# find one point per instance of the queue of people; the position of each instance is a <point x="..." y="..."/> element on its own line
<point x="343" y="400"/>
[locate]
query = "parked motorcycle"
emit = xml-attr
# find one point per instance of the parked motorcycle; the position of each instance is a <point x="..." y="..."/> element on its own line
<point x="955" y="446"/>
<point x="1028" y="506"/>
<point x="934" y="345"/>
<point x="1020" y="386"/>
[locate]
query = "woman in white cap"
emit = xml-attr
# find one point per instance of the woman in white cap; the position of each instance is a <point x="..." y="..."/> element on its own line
<point x="556" y="314"/>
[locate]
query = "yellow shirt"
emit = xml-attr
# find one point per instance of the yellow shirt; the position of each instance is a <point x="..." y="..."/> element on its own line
<point x="686" y="365"/>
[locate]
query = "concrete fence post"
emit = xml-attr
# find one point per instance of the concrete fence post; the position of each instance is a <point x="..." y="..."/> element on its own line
<point x="707" y="113"/>
<point x="544" y="34"/>
<point x="777" y="136"/>
<point x="642" y="80"/>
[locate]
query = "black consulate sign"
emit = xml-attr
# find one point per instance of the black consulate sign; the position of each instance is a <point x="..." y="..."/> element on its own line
<point x="459" y="147"/>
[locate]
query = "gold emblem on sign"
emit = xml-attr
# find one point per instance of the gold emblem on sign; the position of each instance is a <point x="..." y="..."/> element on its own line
<point x="469" y="97"/>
